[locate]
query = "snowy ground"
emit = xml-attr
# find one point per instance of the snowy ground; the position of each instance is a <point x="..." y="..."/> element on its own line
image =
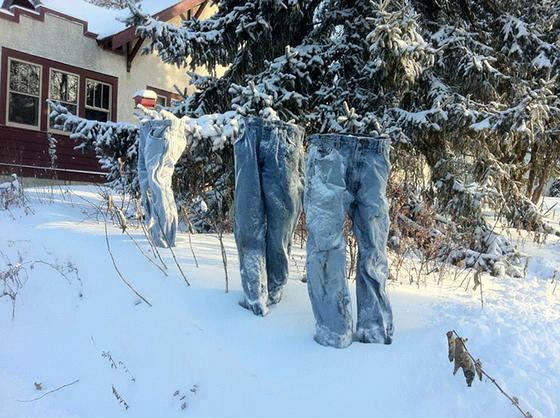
<point x="198" y="349"/>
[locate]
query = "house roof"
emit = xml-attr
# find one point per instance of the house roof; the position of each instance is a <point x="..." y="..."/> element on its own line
<point x="101" y="21"/>
<point x="104" y="24"/>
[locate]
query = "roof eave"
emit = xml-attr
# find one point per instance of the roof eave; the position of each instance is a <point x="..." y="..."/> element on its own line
<point x="127" y="35"/>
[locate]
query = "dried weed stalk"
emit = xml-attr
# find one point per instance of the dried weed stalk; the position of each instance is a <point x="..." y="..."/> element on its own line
<point x="14" y="275"/>
<point x="120" y="398"/>
<point x="126" y="282"/>
<point x="458" y="352"/>
<point x="49" y="392"/>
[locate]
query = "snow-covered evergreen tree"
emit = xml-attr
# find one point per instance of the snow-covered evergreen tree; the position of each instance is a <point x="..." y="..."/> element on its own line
<point x="468" y="88"/>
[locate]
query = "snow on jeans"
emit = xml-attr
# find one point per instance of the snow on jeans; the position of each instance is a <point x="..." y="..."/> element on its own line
<point x="160" y="146"/>
<point x="347" y="174"/>
<point x="269" y="173"/>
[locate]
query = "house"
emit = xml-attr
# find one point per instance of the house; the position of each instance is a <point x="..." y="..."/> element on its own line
<point x="81" y="55"/>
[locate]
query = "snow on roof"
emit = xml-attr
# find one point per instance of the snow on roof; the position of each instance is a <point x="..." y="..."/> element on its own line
<point x="102" y="21"/>
<point x="5" y="11"/>
<point x="148" y="94"/>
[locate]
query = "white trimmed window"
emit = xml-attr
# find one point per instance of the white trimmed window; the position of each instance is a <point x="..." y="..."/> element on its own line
<point x="98" y="100"/>
<point x="64" y="88"/>
<point x="24" y="93"/>
<point x="161" y="100"/>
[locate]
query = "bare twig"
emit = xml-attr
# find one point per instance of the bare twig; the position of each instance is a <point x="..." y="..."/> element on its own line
<point x="119" y="398"/>
<point x="549" y="209"/>
<point x="152" y="245"/>
<point x="219" y="228"/>
<point x="478" y="283"/>
<point x="172" y="252"/>
<point x="50" y="391"/>
<point x="115" y="263"/>
<point x="143" y="253"/>
<point x="140" y="216"/>
<point x="189" y="229"/>
<point x="224" y="257"/>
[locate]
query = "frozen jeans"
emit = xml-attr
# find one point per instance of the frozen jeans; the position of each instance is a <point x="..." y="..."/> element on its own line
<point x="347" y="174"/>
<point x="160" y="146"/>
<point x="269" y="174"/>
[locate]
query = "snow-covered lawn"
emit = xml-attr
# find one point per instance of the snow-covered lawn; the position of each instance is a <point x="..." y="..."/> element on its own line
<point x="196" y="353"/>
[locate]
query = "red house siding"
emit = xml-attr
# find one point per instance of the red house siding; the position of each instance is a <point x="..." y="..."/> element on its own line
<point x="25" y="151"/>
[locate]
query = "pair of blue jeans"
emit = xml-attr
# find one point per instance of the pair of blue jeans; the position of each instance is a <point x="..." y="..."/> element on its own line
<point x="269" y="176"/>
<point x="347" y="175"/>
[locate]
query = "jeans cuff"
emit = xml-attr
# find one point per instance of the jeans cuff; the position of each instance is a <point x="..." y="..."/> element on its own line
<point x="257" y="308"/>
<point x="324" y="336"/>
<point x="274" y="296"/>
<point x="378" y="336"/>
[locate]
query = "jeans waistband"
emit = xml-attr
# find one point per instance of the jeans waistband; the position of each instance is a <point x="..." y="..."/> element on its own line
<point x="289" y="127"/>
<point x="376" y="143"/>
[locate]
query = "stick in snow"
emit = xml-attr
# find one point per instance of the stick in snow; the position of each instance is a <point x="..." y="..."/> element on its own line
<point x="115" y="264"/>
<point x="189" y="228"/>
<point x="50" y="391"/>
<point x="172" y="252"/>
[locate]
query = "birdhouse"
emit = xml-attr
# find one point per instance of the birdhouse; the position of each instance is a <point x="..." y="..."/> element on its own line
<point x="146" y="98"/>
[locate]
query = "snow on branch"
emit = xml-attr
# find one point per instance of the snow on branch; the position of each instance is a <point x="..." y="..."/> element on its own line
<point x="114" y="143"/>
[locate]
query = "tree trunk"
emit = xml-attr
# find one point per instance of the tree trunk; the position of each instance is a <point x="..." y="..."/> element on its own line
<point x="543" y="180"/>
<point x="532" y="171"/>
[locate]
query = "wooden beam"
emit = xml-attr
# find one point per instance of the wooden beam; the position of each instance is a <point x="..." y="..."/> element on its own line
<point x="131" y="53"/>
<point x="200" y="9"/>
<point x="182" y="7"/>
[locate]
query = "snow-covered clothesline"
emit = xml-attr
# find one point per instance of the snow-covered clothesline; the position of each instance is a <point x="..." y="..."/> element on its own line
<point x="219" y="128"/>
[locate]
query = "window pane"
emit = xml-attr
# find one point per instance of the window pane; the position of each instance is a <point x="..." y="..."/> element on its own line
<point x="73" y="86"/>
<point x="24" y="78"/>
<point x="64" y="87"/>
<point x="97" y="115"/>
<point x="23" y="109"/>
<point x="55" y="85"/>
<point x="106" y="90"/>
<point x="17" y="78"/>
<point x="90" y="92"/>
<point x="34" y="80"/>
<point x="97" y="101"/>
<point x="162" y="100"/>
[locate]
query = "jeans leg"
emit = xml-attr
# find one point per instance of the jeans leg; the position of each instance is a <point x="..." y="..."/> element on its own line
<point x="154" y="150"/>
<point x="371" y="226"/>
<point x="143" y="132"/>
<point x="164" y="146"/>
<point x="283" y="192"/>
<point x="326" y="202"/>
<point x="249" y="221"/>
